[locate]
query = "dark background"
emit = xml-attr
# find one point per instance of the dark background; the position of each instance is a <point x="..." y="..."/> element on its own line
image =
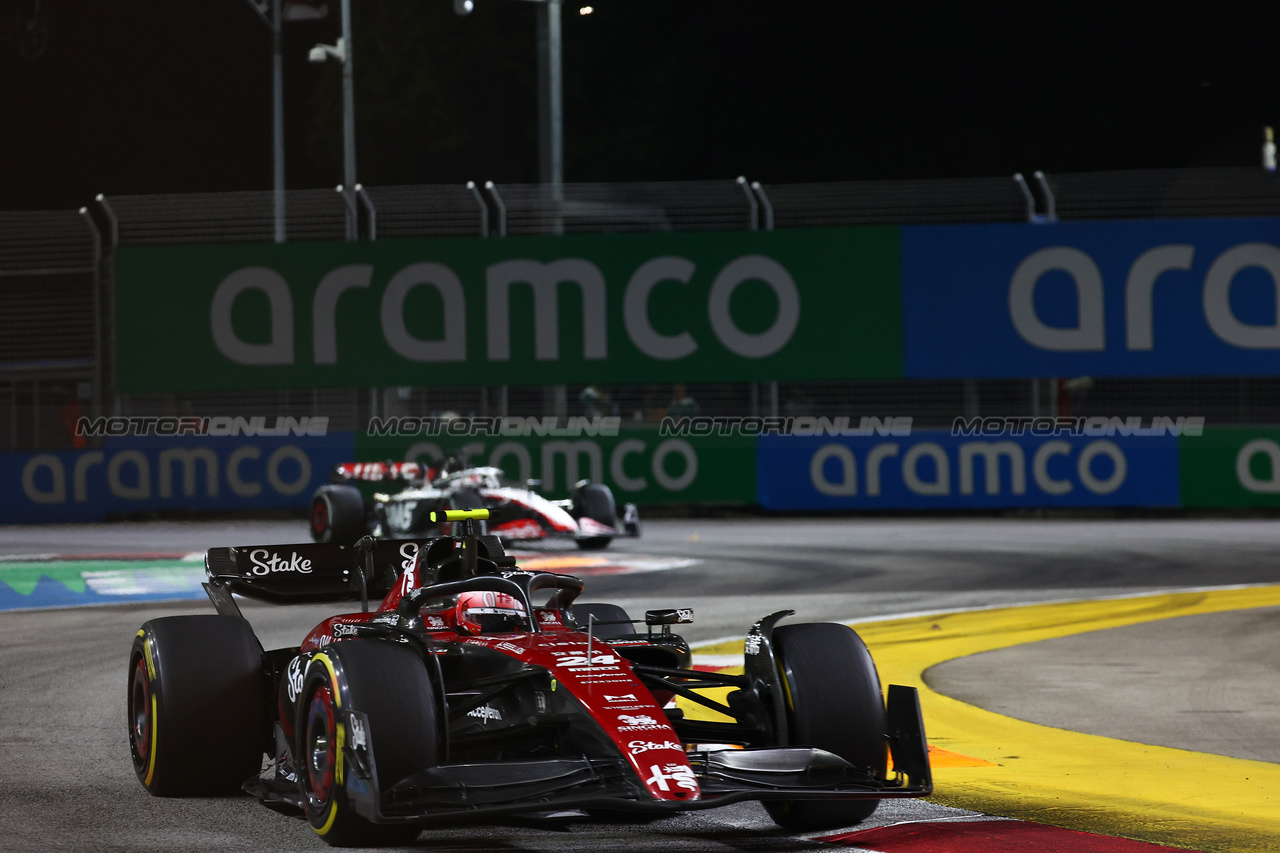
<point x="140" y="96"/>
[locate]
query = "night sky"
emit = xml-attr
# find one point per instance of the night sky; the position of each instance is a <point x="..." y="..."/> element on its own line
<point x="138" y="96"/>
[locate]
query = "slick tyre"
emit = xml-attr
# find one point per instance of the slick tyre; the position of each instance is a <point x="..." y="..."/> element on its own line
<point x="595" y="501"/>
<point x="337" y="515"/>
<point x="197" y="705"/>
<point x="388" y="683"/>
<point x="834" y="703"/>
<point x="582" y="614"/>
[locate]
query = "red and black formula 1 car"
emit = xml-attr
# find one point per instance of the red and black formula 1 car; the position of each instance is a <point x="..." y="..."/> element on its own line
<point x="477" y="689"/>
<point x="341" y="513"/>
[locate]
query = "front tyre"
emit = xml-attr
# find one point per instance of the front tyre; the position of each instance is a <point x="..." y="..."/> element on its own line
<point x="389" y="684"/>
<point x="833" y="703"/>
<point x="595" y="501"/>
<point x="197" y="707"/>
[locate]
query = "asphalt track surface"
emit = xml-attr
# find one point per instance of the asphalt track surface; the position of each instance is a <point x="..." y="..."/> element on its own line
<point x="1205" y="681"/>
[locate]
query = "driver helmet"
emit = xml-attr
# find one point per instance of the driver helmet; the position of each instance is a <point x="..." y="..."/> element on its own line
<point x="488" y="613"/>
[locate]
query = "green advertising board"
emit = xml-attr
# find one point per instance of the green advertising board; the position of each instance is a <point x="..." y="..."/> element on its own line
<point x="639" y="465"/>
<point x="800" y="304"/>
<point x="1231" y="467"/>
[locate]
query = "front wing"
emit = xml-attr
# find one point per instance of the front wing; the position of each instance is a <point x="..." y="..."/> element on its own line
<point x="723" y="777"/>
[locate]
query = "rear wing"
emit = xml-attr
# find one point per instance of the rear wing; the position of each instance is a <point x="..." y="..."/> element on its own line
<point x="306" y="573"/>
<point x="375" y="472"/>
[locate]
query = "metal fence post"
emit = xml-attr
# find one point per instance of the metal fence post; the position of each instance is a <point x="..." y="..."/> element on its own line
<point x="369" y="209"/>
<point x="751" y="200"/>
<point x="501" y="208"/>
<point x="765" y="204"/>
<point x="97" y="311"/>
<point x="1026" y="194"/>
<point x="1051" y="204"/>
<point x="108" y="293"/>
<point x="767" y="207"/>
<point x="484" y="232"/>
<point x="484" y="208"/>
<point x="353" y="222"/>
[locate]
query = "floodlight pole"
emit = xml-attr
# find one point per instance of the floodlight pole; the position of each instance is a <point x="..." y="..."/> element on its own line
<point x="343" y="53"/>
<point x="277" y="121"/>
<point x="550" y="99"/>
<point x="550" y="102"/>
<point x="348" y="103"/>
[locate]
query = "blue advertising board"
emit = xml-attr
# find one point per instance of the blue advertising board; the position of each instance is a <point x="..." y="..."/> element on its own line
<point x="1123" y="298"/>
<point x="148" y="474"/>
<point x="937" y="470"/>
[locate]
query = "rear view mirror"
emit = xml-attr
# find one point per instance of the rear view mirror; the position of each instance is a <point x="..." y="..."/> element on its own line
<point x="669" y="616"/>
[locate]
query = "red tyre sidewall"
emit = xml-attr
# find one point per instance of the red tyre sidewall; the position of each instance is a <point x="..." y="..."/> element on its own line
<point x="143" y="754"/>
<point x="320" y="808"/>
<point x="319" y="518"/>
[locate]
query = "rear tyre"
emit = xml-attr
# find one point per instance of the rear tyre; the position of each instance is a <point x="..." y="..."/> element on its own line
<point x="197" y="705"/>
<point x="595" y="501"/>
<point x="389" y="684"/>
<point x="834" y="703"/>
<point x="582" y="614"/>
<point x="337" y="515"/>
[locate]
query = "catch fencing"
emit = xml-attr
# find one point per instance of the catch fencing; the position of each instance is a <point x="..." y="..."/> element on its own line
<point x="58" y="299"/>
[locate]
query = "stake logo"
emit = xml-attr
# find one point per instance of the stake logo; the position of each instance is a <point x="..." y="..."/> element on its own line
<point x="409" y="553"/>
<point x="639" y="746"/>
<point x="359" y="736"/>
<point x="263" y="566"/>
<point x="295" y="678"/>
